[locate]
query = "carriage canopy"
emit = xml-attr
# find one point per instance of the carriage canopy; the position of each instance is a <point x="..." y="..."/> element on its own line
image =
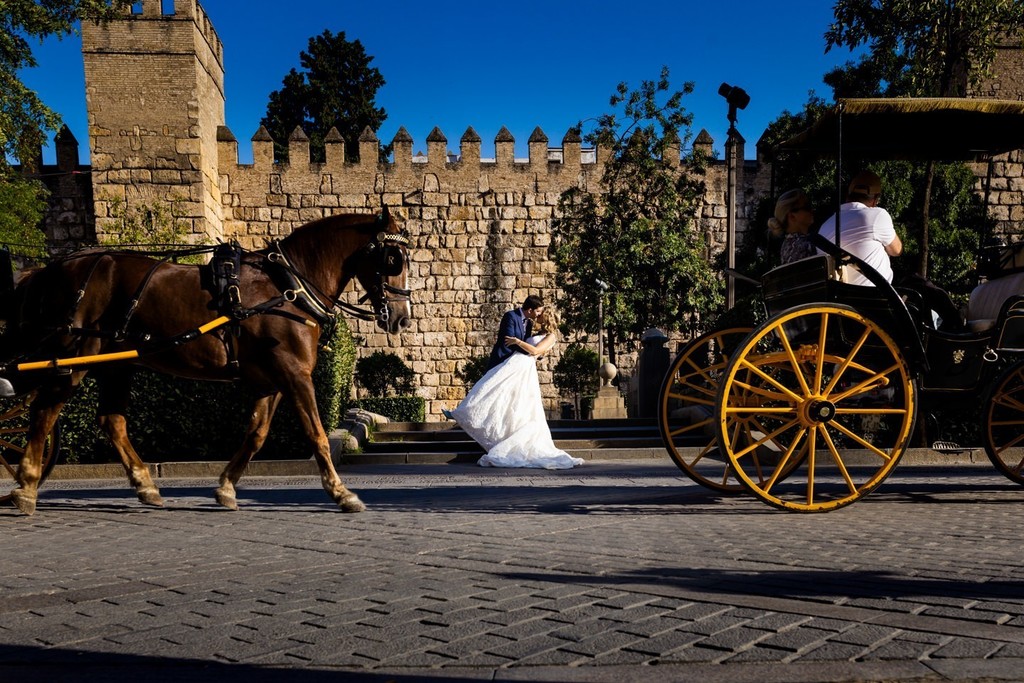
<point x="947" y="129"/>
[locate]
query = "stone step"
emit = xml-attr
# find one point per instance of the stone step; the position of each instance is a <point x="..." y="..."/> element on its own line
<point x="453" y="433"/>
<point x="468" y="445"/>
<point x="413" y="457"/>
<point x="437" y="442"/>
<point x="423" y="427"/>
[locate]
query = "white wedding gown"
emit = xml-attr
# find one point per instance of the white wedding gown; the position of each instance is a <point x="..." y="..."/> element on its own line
<point x="503" y="412"/>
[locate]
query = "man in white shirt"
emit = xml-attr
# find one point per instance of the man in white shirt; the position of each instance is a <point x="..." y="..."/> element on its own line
<point x="865" y="229"/>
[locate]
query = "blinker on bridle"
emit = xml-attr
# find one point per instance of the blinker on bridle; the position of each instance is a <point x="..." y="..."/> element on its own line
<point x="390" y="262"/>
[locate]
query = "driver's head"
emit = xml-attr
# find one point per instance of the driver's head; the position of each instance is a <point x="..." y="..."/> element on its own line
<point x="866" y="187"/>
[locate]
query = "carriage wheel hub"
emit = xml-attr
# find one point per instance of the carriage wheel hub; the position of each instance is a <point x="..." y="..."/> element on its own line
<point x="820" y="410"/>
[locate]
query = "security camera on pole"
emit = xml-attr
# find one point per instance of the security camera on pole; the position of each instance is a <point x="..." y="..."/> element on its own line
<point x="737" y="99"/>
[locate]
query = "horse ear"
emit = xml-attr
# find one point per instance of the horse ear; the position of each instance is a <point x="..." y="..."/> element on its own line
<point x="385" y="215"/>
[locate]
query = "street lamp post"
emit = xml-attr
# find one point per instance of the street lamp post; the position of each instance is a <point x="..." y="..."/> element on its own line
<point x="603" y="287"/>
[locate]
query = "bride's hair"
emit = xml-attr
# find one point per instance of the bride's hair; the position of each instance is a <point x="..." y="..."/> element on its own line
<point x="547" y="322"/>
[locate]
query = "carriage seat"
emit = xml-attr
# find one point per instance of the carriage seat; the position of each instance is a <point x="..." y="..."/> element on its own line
<point x="988" y="298"/>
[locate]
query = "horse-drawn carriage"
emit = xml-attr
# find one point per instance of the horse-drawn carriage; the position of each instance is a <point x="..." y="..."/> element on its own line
<point x="813" y="409"/>
<point x="249" y="316"/>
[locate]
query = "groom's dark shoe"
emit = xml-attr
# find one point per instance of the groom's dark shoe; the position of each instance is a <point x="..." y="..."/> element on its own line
<point x="447" y="413"/>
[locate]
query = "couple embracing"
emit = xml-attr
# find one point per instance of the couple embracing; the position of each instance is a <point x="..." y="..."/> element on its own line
<point x="503" y="412"/>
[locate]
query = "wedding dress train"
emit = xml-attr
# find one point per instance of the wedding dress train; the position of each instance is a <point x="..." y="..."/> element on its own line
<point x="503" y="412"/>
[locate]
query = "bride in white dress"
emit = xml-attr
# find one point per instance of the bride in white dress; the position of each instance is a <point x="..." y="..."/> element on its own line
<point x="503" y="412"/>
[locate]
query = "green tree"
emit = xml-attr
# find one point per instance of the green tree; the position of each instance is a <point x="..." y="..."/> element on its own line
<point x="575" y="374"/>
<point x="935" y="48"/>
<point x="336" y="88"/>
<point x="22" y="204"/>
<point x="637" y="233"/>
<point x="24" y="118"/>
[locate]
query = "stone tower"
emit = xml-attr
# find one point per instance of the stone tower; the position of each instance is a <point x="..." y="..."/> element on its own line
<point x="155" y="98"/>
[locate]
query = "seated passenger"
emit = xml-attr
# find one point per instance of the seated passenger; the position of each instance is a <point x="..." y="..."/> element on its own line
<point x="865" y="229"/>
<point x="792" y="221"/>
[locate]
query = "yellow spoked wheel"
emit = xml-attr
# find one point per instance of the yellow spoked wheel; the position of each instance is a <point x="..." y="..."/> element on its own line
<point x="1004" y="423"/>
<point x="821" y="395"/>
<point x="14" y="438"/>
<point x="686" y="408"/>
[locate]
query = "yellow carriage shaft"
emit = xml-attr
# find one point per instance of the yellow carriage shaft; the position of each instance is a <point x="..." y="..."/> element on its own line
<point x="109" y="357"/>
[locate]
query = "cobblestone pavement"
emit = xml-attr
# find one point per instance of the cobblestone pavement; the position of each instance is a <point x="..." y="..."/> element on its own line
<point x="616" y="571"/>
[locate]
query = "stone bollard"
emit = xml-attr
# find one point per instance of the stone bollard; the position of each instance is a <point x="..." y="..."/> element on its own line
<point x="651" y="369"/>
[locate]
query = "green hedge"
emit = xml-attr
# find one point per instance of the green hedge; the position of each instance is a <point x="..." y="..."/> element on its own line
<point x="176" y="419"/>
<point x="395" y="408"/>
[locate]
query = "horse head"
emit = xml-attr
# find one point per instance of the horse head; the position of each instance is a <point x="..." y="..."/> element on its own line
<point x="322" y="257"/>
<point x="385" y="275"/>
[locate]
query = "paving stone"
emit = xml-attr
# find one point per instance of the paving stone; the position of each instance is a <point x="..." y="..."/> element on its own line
<point x="966" y="648"/>
<point x="733" y="639"/>
<point x="833" y="651"/>
<point x="966" y="614"/>
<point x="899" y="650"/>
<point x="523" y="648"/>
<point x="601" y="643"/>
<point x="664" y="643"/>
<point x="866" y="634"/>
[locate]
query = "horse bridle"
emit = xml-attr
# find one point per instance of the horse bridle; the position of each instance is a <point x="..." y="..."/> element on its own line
<point x="392" y="258"/>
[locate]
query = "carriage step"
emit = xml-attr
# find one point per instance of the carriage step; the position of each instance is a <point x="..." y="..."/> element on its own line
<point x="947" y="447"/>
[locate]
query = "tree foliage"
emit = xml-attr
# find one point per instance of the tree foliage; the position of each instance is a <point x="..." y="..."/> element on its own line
<point x="926" y="47"/>
<point x="473" y="369"/>
<point x="575" y="374"/>
<point x="24" y="118"/>
<point x="637" y="233"/>
<point x="22" y="204"/>
<point x="335" y="88"/>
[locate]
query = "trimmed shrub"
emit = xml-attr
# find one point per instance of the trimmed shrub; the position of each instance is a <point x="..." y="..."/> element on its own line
<point x="177" y="419"/>
<point x="395" y="408"/>
<point x="383" y="373"/>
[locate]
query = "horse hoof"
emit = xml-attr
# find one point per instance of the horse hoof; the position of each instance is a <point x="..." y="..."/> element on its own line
<point x="351" y="503"/>
<point x="226" y="500"/>
<point x="152" y="497"/>
<point x="24" y="502"/>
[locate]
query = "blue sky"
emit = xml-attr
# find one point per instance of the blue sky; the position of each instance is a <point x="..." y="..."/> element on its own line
<point x="521" y="65"/>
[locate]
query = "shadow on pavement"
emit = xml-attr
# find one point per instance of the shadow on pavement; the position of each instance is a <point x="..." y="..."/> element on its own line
<point x="21" y="663"/>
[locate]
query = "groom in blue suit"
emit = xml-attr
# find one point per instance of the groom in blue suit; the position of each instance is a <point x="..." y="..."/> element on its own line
<point x="515" y="323"/>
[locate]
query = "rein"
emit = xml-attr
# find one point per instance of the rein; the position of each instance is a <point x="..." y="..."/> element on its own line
<point x="311" y="298"/>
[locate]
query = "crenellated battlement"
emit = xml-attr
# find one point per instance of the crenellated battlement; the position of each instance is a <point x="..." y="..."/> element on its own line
<point x="185" y="10"/>
<point x="542" y="159"/>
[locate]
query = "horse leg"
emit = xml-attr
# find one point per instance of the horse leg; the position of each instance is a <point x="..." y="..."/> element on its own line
<point x="305" y="404"/>
<point x="43" y="415"/>
<point x="113" y="403"/>
<point x="259" y="427"/>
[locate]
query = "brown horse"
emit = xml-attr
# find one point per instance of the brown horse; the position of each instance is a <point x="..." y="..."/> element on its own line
<point x="158" y="314"/>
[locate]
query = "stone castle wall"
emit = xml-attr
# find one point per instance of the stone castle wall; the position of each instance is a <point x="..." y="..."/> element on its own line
<point x="480" y="230"/>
